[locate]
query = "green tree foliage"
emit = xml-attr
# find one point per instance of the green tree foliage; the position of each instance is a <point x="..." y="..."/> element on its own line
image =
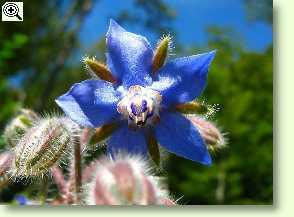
<point x="11" y="99"/>
<point x="52" y="29"/>
<point x="241" y="83"/>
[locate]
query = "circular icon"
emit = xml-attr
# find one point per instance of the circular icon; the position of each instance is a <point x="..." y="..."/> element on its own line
<point x="11" y="10"/>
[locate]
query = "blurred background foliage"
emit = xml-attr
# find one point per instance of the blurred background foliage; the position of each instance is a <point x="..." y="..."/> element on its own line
<point x="40" y="59"/>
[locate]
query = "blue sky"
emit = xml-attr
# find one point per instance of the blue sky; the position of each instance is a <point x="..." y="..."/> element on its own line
<point x="193" y="17"/>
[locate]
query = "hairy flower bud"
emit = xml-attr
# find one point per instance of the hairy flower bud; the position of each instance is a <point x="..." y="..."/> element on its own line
<point x="18" y="126"/>
<point x="124" y="181"/>
<point x="6" y="159"/>
<point x="209" y="132"/>
<point x="43" y="145"/>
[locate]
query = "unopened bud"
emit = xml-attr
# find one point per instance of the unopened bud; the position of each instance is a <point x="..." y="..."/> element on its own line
<point x="6" y="159"/>
<point x="19" y="125"/>
<point x="43" y="146"/>
<point x="209" y="132"/>
<point x="124" y="181"/>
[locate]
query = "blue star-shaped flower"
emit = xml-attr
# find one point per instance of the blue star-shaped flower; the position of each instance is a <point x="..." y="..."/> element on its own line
<point x="140" y="101"/>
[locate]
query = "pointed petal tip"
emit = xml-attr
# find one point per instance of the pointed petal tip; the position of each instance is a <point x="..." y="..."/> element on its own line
<point x="59" y="99"/>
<point x="211" y="55"/>
<point x="114" y="26"/>
<point x="204" y="160"/>
<point x="129" y="56"/>
<point x="112" y="22"/>
<point x="208" y="57"/>
<point x="207" y="161"/>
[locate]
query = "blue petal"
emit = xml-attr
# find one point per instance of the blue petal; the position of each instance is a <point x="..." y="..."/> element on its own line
<point x="127" y="141"/>
<point x="179" y="136"/>
<point x="21" y="199"/>
<point x="183" y="79"/>
<point x="90" y="103"/>
<point x="129" y="56"/>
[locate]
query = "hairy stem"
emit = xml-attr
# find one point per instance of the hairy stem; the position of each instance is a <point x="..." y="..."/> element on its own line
<point x="78" y="174"/>
<point x="44" y="192"/>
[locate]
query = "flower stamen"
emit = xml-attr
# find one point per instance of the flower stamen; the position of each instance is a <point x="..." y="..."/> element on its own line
<point x="140" y="106"/>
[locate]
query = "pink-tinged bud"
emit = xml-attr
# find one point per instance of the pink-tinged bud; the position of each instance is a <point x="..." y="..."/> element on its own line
<point x="18" y="126"/>
<point x="6" y="159"/>
<point x="209" y="132"/>
<point x="124" y="181"/>
<point x="5" y="162"/>
<point x="43" y="146"/>
<point x="167" y="202"/>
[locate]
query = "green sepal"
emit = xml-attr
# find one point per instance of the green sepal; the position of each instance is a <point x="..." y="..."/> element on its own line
<point x="99" y="69"/>
<point x="161" y="53"/>
<point x="103" y="133"/>
<point x="193" y="107"/>
<point x="153" y="149"/>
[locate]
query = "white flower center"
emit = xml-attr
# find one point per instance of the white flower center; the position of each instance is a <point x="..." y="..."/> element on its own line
<point x="140" y="106"/>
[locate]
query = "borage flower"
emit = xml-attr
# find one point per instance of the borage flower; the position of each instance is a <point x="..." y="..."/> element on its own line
<point x="139" y="98"/>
